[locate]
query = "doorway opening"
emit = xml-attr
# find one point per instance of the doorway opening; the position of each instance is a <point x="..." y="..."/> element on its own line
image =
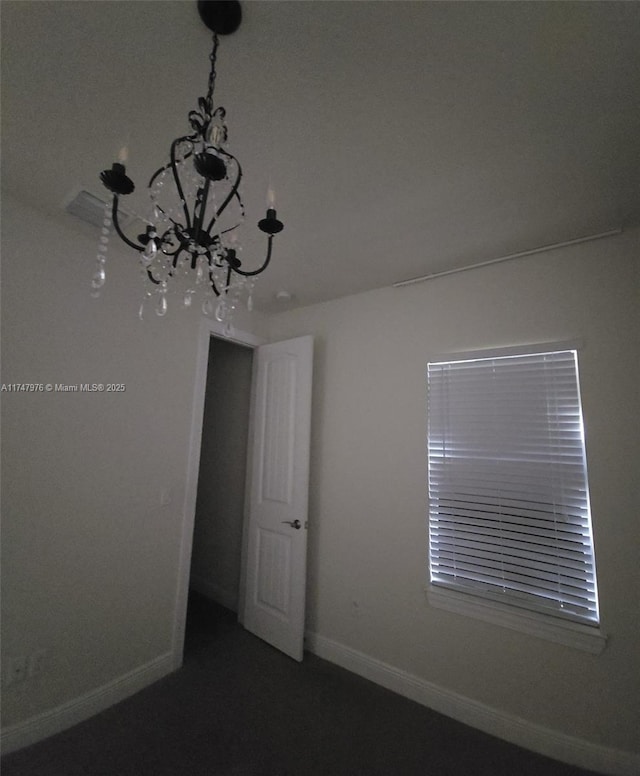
<point x="214" y="581"/>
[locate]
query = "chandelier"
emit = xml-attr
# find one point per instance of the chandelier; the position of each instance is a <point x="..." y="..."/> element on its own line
<point x="191" y="239"/>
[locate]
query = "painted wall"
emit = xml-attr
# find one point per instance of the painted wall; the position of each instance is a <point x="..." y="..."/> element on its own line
<point x="90" y="555"/>
<point x="217" y="538"/>
<point x="368" y="502"/>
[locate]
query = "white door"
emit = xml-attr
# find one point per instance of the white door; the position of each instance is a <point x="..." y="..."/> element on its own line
<point x="276" y="558"/>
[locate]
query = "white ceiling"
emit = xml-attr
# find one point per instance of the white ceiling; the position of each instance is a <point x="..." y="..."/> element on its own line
<point x="401" y="138"/>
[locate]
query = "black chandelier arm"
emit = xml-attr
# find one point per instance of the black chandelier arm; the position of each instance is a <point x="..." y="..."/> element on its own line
<point x="218" y="213"/>
<point x="213" y="285"/>
<point x="263" y="267"/>
<point x="168" y="166"/>
<point x="173" y="253"/>
<point x="164" y="238"/>
<point x="211" y="277"/>
<point x="203" y="195"/>
<point x="230" y="228"/>
<point x="116" y="226"/>
<point x="152" y="279"/>
<point x="176" y="179"/>
<point x="233" y="193"/>
<point x="160" y="170"/>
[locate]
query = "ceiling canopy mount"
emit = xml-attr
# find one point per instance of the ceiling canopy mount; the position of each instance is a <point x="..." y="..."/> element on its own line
<point x="221" y="16"/>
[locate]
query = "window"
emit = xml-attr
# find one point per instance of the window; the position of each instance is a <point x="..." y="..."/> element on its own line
<point x="509" y="519"/>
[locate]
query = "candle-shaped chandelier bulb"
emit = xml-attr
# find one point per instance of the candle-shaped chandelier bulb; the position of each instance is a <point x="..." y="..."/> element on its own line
<point x="196" y="207"/>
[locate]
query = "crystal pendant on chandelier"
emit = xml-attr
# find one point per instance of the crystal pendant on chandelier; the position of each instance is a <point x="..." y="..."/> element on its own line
<point x="150" y="252"/>
<point x="191" y="242"/>
<point x="100" y="274"/>
<point x="161" y="302"/>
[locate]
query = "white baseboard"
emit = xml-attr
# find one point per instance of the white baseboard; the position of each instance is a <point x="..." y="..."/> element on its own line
<point x="529" y="735"/>
<point x="219" y="594"/>
<point x="68" y="714"/>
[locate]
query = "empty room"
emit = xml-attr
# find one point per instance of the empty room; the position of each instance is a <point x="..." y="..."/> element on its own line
<point x="320" y="366"/>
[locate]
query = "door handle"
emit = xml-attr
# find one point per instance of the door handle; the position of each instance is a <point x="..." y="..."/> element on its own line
<point x="293" y="523"/>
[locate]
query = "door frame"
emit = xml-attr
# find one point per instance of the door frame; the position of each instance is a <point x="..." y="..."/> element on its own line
<point x="208" y="328"/>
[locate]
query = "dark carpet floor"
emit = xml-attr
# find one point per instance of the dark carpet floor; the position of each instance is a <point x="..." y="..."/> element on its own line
<point x="240" y="708"/>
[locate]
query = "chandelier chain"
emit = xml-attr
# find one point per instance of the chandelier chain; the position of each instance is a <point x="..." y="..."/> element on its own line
<point x="212" y="72"/>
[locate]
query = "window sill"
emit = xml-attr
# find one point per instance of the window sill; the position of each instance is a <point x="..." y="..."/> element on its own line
<point x="570" y="634"/>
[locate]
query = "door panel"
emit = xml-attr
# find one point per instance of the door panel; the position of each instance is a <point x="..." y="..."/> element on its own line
<point x="279" y="485"/>
<point x="274" y="572"/>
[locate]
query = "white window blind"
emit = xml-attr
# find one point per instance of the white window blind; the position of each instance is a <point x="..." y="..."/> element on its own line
<point x="509" y="515"/>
